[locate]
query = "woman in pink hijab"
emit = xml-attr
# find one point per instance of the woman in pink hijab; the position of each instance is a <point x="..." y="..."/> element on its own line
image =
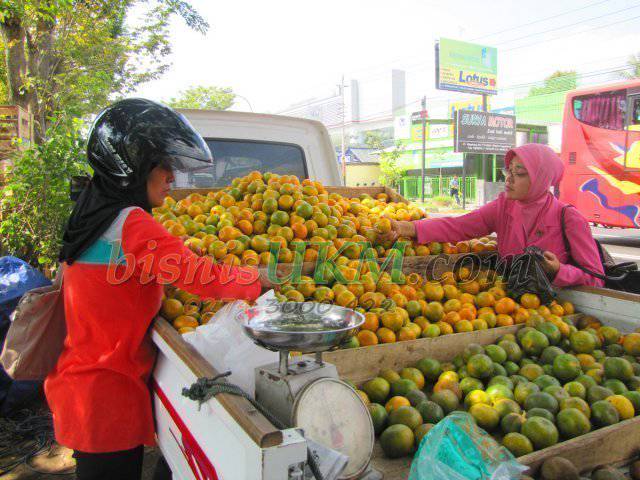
<point x="525" y="214"/>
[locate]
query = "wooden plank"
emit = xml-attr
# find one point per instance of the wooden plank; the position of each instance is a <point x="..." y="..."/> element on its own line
<point x="616" y="444"/>
<point x="618" y="309"/>
<point x="362" y="364"/>
<point x="252" y="422"/>
<point x="610" y="445"/>
<point x="9" y="110"/>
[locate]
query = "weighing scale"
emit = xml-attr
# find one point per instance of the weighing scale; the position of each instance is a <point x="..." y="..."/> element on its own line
<point x="307" y="393"/>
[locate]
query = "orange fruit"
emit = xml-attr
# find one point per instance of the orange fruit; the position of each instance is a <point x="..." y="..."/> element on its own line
<point x="445" y="328"/>
<point x="397" y="402"/>
<point x="568" y="308"/>
<point x="521" y="315"/>
<point x="452" y="305"/>
<point x="504" y="320"/>
<point x="463" y="273"/>
<point x="497" y="292"/>
<point x="386" y="335"/>
<point x="471" y="287"/>
<point x="406" y="333"/>
<point x="371" y="322"/>
<point x="451" y="291"/>
<point x="171" y="308"/>
<point x="185" y="321"/>
<point x="451" y="318"/>
<point x="485" y="299"/>
<point x="367" y="338"/>
<point x="392" y="320"/>
<point x="557" y="310"/>
<point x="530" y="300"/>
<point x="544" y="311"/>
<point x="467" y="314"/>
<point x="505" y="306"/>
<point x="463" y="326"/>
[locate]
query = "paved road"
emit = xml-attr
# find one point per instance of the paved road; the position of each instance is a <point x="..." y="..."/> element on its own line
<point x="622" y="243"/>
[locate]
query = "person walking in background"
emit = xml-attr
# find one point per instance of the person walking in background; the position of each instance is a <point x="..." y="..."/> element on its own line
<point x="454" y="188"/>
<point x="525" y="214"/>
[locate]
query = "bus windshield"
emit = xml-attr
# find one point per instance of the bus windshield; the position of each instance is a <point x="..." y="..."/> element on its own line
<point x="237" y="158"/>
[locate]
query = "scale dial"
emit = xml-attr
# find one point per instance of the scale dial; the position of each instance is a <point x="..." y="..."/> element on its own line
<point x="331" y="413"/>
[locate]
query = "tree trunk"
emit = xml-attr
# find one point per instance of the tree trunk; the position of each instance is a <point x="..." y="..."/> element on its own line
<point x="26" y="58"/>
<point x="14" y="37"/>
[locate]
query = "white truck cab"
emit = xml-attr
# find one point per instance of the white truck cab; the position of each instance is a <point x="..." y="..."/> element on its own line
<point x="242" y="142"/>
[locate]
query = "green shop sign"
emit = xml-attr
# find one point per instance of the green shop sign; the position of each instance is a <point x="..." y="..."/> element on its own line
<point x="466" y="67"/>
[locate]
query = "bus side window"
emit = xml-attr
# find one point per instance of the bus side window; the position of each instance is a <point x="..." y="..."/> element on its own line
<point x="635" y="117"/>
<point x="602" y="110"/>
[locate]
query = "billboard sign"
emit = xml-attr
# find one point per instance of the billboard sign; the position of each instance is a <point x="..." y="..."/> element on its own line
<point x="482" y="132"/>
<point x="466" y="67"/>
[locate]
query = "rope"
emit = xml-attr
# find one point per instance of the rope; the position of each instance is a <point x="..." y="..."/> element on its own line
<point x="23" y="436"/>
<point x="207" y="388"/>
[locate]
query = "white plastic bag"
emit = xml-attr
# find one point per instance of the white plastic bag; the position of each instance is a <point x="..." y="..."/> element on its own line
<point x="223" y="343"/>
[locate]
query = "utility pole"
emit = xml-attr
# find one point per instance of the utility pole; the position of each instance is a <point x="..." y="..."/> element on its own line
<point x="343" y="159"/>
<point x="423" y="114"/>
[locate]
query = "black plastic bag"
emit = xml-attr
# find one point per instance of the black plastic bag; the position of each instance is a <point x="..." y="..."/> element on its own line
<point x="526" y="275"/>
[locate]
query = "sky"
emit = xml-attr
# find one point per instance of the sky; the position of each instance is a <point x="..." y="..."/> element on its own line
<point x="282" y="52"/>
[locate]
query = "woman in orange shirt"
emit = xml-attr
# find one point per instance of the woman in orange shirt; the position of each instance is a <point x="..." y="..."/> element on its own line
<point x="118" y="259"/>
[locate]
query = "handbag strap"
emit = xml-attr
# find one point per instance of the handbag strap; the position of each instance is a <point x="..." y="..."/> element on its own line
<point x="567" y="247"/>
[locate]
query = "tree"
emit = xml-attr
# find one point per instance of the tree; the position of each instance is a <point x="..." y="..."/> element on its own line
<point x="72" y="56"/>
<point x="558" y="81"/>
<point x="35" y="200"/>
<point x="373" y="139"/>
<point x="391" y="172"/>
<point x="633" y="65"/>
<point x="204" y="98"/>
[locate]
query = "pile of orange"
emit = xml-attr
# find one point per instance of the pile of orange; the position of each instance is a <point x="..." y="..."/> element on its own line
<point x="263" y="216"/>
<point x="186" y="311"/>
<point x="410" y="307"/>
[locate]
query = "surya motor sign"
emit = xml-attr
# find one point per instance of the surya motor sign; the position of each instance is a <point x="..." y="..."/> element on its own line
<point x="466" y="67"/>
<point x="482" y="132"/>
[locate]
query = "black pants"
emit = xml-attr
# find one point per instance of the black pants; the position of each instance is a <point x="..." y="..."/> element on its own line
<point x="123" y="465"/>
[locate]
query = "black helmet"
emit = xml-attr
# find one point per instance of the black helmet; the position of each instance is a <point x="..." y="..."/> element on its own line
<point x="130" y="137"/>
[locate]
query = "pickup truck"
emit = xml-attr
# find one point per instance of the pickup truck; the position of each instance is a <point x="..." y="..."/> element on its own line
<point x="243" y="142"/>
<point x="226" y="437"/>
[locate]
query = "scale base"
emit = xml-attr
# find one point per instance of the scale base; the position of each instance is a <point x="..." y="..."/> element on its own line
<point x="277" y="391"/>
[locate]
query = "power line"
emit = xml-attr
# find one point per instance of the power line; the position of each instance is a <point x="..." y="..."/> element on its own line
<point x="568" y="25"/>
<point x="538" y="21"/>
<point x="572" y="34"/>
<point x="506" y="30"/>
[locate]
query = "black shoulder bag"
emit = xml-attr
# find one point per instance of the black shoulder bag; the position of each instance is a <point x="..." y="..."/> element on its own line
<point x="617" y="276"/>
<point x="526" y="275"/>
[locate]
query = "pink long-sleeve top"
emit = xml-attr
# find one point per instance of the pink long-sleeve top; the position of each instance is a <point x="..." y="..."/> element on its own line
<point x="533" y="222"/>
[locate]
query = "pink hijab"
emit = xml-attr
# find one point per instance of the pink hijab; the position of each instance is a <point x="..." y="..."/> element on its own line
<point x="545" y="170"/>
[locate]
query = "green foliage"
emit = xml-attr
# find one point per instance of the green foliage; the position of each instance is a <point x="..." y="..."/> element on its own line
<point x="76" y="56"/>
<point x="559" y="81"/>
<point x="633" y="67"/>
<point x="204" y="98"/>
<point x="391" y="172"/>
<point x="35" y="200"/>
<point x="373" y="139"/>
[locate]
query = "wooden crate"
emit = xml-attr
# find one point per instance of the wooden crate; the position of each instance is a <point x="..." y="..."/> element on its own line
<point x="15" y="124"/>
<point x="611" y="445"/>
